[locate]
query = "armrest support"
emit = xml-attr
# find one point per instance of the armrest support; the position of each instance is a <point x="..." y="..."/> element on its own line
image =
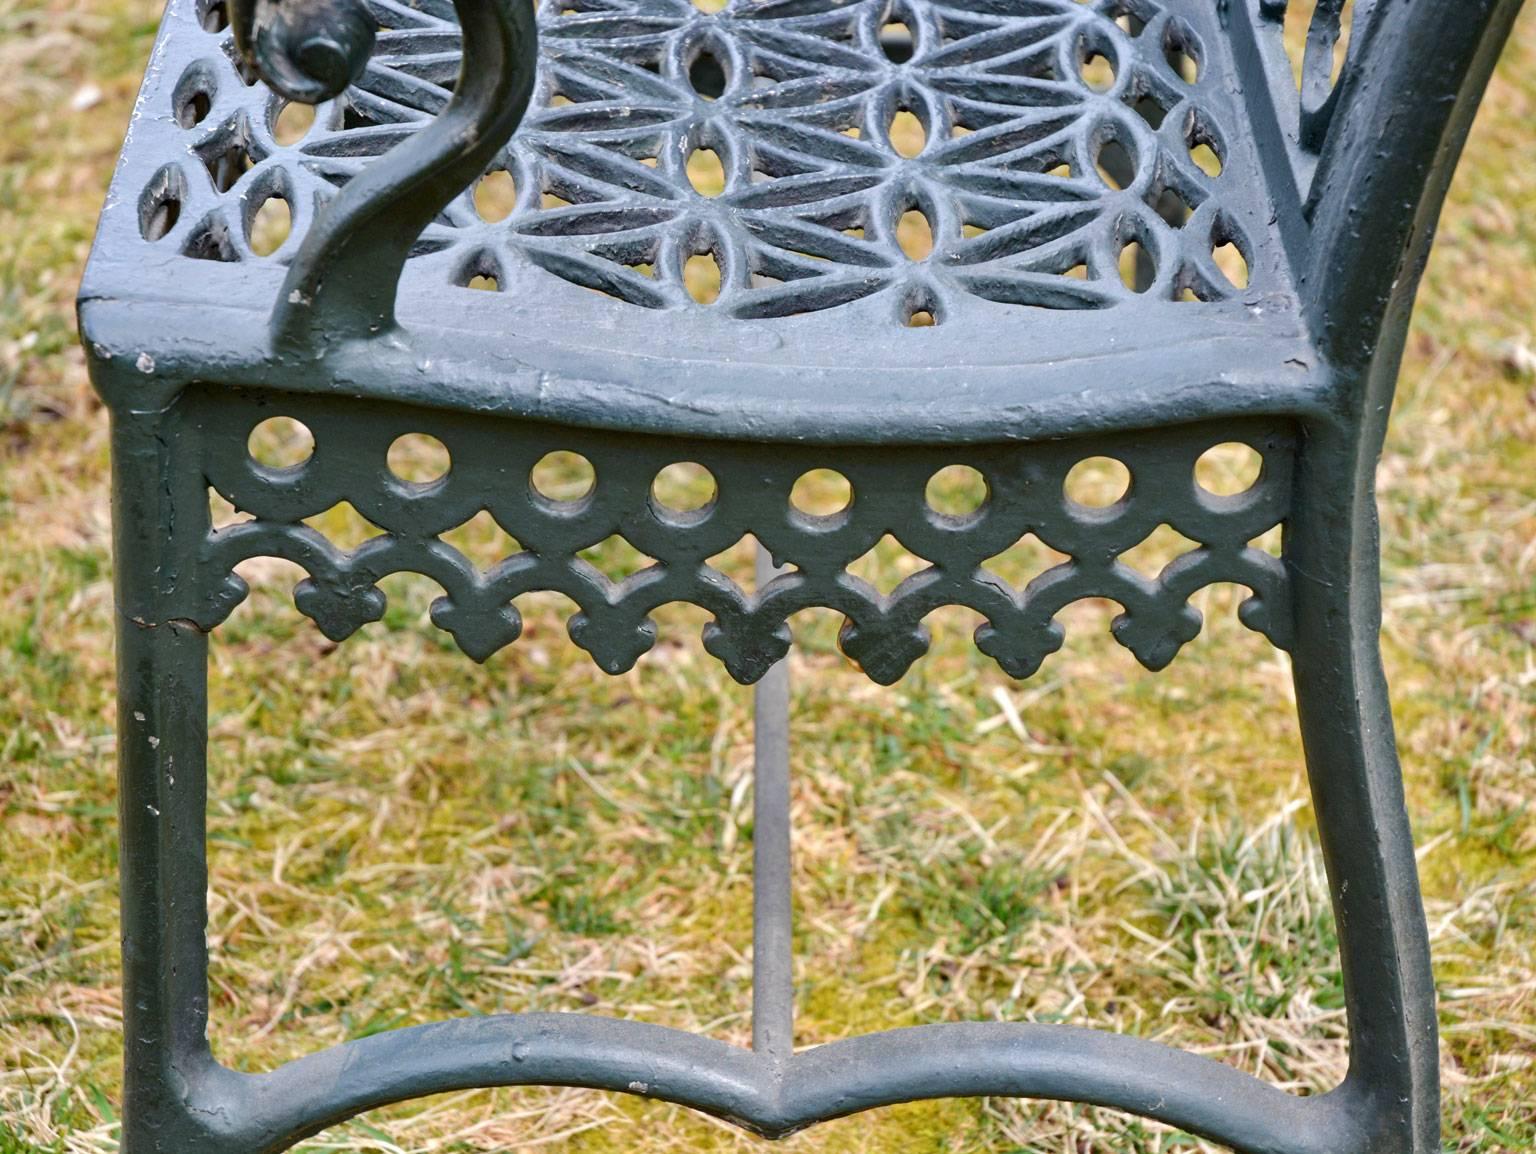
<point x="1397" y="121"/>
<point x="343" y="282"/>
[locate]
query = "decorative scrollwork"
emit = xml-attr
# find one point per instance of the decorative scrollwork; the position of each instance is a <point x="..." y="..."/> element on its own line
<point x="883" y="633"/>
<point x="343" y="280"/>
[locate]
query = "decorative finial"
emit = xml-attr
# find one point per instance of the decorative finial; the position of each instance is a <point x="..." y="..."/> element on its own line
<point x="306" y="50"/>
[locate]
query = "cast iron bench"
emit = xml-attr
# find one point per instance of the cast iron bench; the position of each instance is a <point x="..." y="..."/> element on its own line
<point x="1078" y="165"/>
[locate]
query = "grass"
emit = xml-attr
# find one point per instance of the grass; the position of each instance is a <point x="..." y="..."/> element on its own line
<point x="397" y="835"/>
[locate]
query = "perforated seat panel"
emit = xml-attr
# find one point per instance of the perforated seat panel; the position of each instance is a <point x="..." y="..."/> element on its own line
<point x="730" y="222"/>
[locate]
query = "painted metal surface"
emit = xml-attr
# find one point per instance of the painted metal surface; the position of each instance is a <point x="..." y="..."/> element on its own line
<point x="493" y="464"/>
<point x="358" y="327"/>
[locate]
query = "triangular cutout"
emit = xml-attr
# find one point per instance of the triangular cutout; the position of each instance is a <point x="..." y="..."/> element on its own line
<point x="211" y="241"/>
<point x="1157" y="550"/>
<point x="222" y="514"/>
<point x="616" y="559"/>
<point x="344" y="527"/>
<point x="887" y="565"/>
<point x="1271" y="541"/>
<point x="1023" y="561"/>
<point x="739" y="563"/>
<point x="482" y="540"/>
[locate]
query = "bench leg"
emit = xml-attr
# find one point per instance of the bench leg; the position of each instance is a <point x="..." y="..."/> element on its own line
<point x="162" y="733"/>
<point x="179" y="1101"/>
<point x="773" y="982"/>
<point x="1357" y="793"/>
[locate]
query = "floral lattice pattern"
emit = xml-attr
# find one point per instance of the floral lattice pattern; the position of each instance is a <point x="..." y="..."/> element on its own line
<point x="883" y="632"/>
<point x="1051" y="153"/>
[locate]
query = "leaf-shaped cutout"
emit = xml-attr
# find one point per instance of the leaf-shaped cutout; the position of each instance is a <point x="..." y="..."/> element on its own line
<point x="897" y="42"/>
<point x="706" y="172"/>
<point x="707" y="75"/>
<point x="908" y="134"/>
<point x="701" y="277"/>
<point x="495" y="196"/>
<point x="914" y="234"/>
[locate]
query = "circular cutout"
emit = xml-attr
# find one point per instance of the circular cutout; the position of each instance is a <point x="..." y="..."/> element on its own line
<point x="1097" y="71"/>
<point x="1180" y="52"/>
<point x="1130" y="23"/>
<point x="1230" y="260"/>
<point x="1097" y="483"/>
<point x="897" y="42"/>
<point x="281" y="443"/>
<point x="495" y="196"/>
<point x="821" y="493"/>
<point x="1206" y="158"/>
<point x="213" y="16"/>
<point x="160" y="203"/>
<point x="957" y="491"/>
<point x="563" y="476"/>
<point x="909" y="136"/>
<point x="193" y="107"/>
<point x="271" y="226"/>
<point x="914" y="235"/>
<point x="1116" y="164"/>
<point x="702" y="276"/>
<point x="1229" y="469"/>
<point x="419" y="459"/>
<point x="1137" y="268"/>
<point x="192" y="99"/>
<point x="706" y="172"/>
<point x="707" y="75"/>
<point x="684" y="487"/>
<point x="293" y="122"/>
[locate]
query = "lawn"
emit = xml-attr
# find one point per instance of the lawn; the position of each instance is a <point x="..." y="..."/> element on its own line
<point x="398" y="835"/>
